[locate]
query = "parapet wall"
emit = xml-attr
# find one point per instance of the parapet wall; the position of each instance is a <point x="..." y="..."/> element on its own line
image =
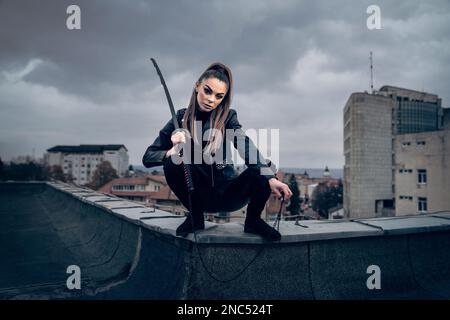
<point x="127" y="251"/>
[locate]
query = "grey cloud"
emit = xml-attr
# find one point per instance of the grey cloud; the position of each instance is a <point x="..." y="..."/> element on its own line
<point x="295" y="63"/>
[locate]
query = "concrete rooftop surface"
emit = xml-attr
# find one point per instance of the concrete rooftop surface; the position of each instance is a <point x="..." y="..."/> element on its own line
<point x="128" y="251"/>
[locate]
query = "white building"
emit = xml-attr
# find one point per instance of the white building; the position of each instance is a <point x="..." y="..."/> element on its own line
<point x="81" y="161"/>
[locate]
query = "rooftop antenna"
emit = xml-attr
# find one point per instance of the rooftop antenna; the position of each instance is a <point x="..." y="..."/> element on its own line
<point x="371" y="72"/>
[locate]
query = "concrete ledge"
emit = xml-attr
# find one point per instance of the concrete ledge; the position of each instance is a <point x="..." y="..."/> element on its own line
<point x="126" y="250"/>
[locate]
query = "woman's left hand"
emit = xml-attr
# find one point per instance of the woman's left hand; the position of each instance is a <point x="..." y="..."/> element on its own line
<point x="278" y="187"/>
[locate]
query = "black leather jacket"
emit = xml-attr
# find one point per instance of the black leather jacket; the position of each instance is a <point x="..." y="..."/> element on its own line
<point x="156" y="153"/>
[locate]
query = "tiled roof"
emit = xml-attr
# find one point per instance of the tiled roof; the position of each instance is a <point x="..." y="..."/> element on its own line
<point x="87" y="148"/>
<point x="157" y="178"/>
<point x="164" y="194"/>
<point x="132" y="181"/>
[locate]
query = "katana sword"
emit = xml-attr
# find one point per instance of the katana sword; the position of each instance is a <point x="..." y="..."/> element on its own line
<point x="187" y="171"/>
<point x="169" y="99"/>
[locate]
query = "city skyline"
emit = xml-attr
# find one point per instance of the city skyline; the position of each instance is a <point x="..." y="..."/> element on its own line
<point x="294" y="64"/>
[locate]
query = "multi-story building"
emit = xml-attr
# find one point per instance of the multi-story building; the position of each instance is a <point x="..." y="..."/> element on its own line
<point x="368" y="121"/>
<point x="151" y="190"/>
<point x="415" y="111"/>
<point x="372" y="125"/>
<point x="80" y="162"/>
<point x="422" y="175"/>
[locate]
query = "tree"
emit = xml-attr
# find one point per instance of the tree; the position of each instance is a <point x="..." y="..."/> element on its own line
<point x="294" y="203"/>
<point x="2" y="168"/>
<point x="69" y="177"/>
<point x="102" y="175"/>
<point x="24" y="171"/>
<point x="326" y="197"/>
<point x="56" y="173"/>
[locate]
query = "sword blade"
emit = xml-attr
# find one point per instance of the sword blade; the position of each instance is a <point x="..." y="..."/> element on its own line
<point x="169" y="99"/>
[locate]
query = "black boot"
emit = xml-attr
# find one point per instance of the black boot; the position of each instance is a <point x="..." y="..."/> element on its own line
<point x="189" y="226"/>
<point x="256" y="225"/>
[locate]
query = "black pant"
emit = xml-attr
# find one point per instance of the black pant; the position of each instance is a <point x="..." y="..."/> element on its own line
<point x="250" y="187"/>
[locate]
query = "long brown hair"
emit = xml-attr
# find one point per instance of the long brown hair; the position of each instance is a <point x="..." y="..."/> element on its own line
<point x="219" y="114"/>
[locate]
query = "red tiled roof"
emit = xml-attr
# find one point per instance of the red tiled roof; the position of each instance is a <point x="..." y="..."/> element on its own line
<point x="140" y="180"/>
<point x="132" y="181"/>
<point x="164" y="194"/>
<point x="158" y="178"/>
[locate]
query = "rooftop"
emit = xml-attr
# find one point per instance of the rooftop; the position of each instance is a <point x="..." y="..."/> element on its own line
<point x="87" y="148"/>
<point x="126" y="250"/>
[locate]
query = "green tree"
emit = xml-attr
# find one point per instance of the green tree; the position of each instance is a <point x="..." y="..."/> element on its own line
<point x="102" y="175"/>
<point x="294" y="201"/>
<point x="326" y="197"/>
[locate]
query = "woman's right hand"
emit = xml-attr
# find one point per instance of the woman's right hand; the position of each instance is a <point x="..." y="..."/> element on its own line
<point x="177" y="138"/>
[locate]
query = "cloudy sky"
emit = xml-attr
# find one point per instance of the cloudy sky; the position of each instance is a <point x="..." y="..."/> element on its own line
<point x="295" y="63"/>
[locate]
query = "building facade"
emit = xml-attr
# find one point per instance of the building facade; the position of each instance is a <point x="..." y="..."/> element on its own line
<point x="373" y="125"/>
<point x="422" y="172"/>
<point x="415" y="111"/>
<point x="150" y="190"/>
<point x="80" y="162"/>
<point x="368" y="122"/>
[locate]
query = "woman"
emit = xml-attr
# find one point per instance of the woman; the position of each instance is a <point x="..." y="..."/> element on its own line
<point x="217" y="186"/>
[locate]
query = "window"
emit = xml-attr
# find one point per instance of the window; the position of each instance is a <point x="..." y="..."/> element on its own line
<point x="420" y="143"/>
<point x="406" y="198"/>
<point x="405" y="144"/>
<point x="422" y="176"/>
<point x="422" y="205"/>
<point x="120" y="187"/>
